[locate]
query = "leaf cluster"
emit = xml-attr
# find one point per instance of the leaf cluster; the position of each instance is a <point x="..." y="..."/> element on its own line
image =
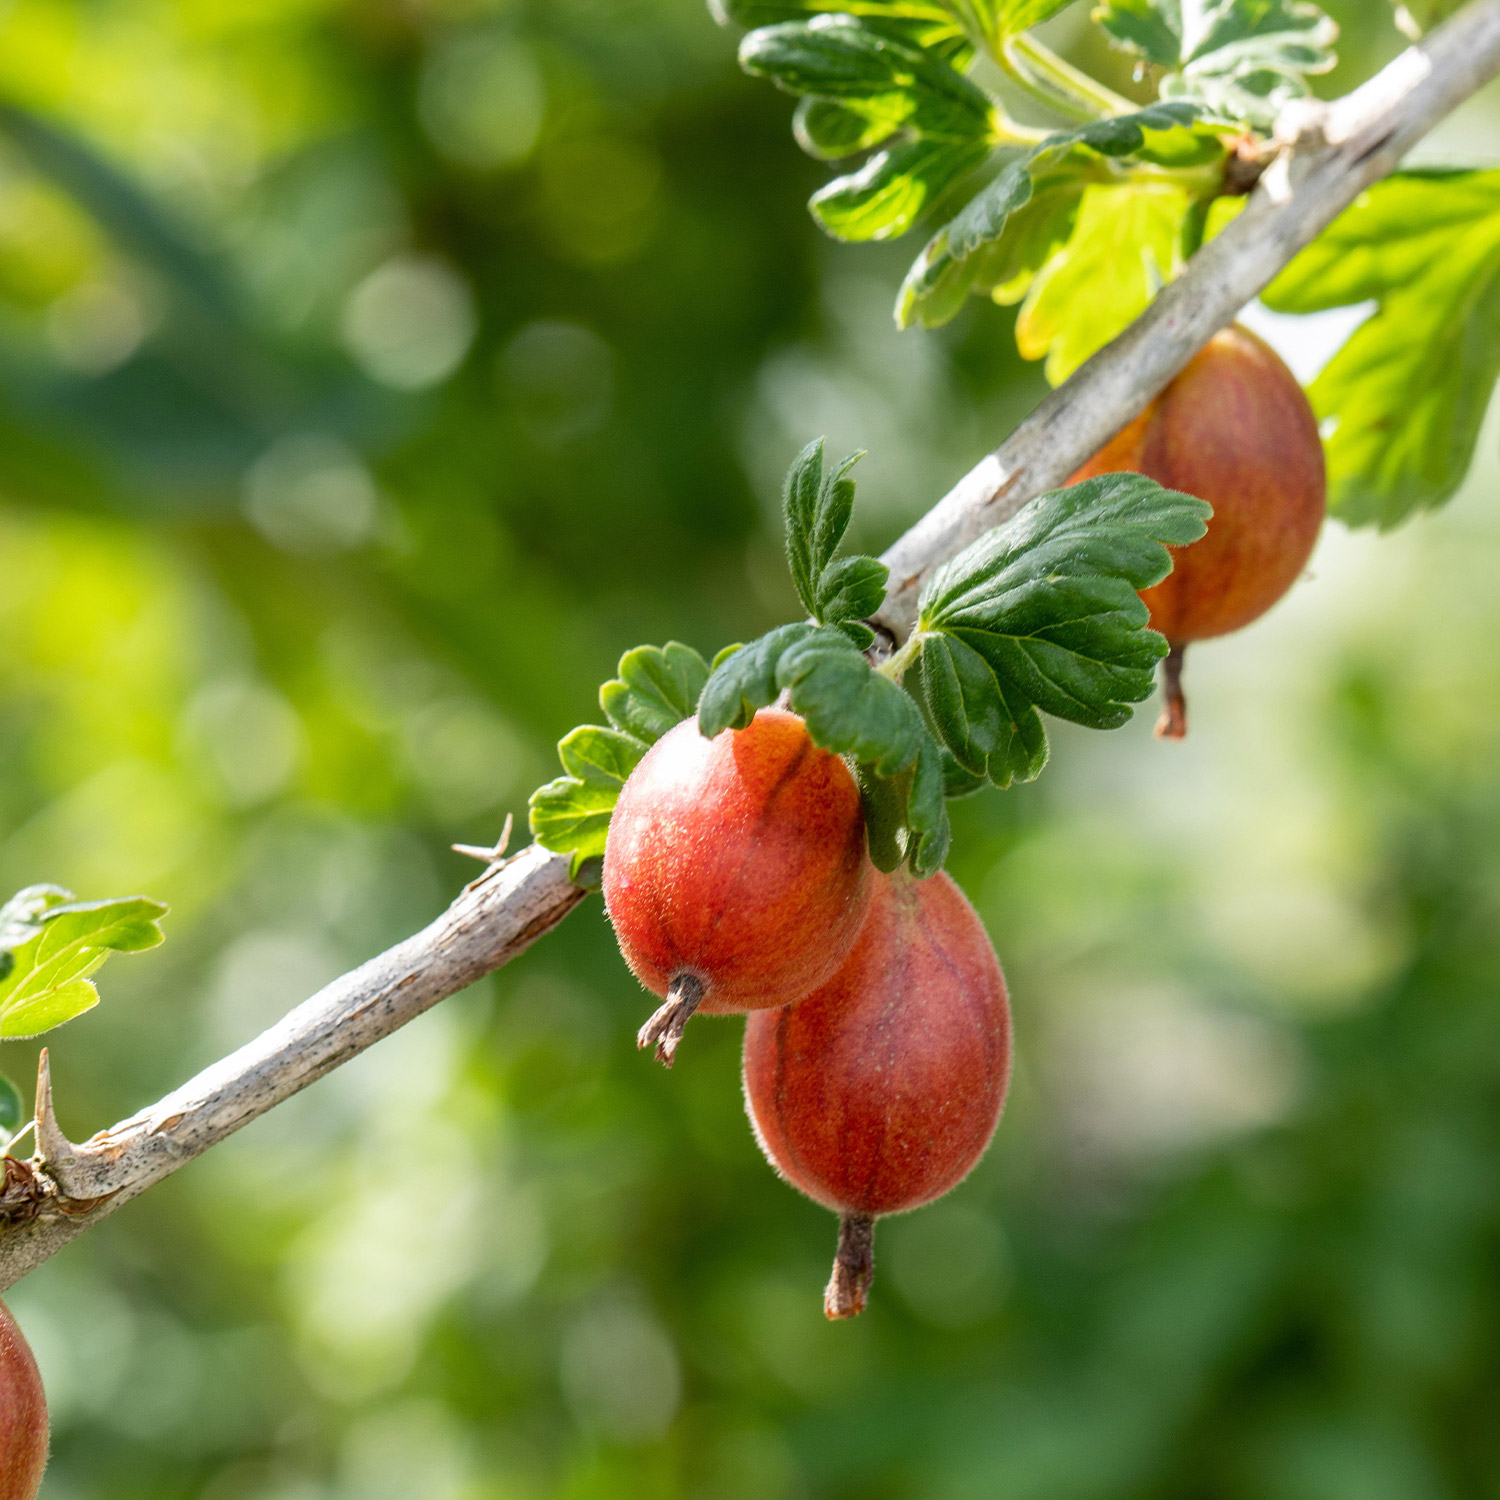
<point x="1041" y="615"/>
<point x="1113" y="203"/>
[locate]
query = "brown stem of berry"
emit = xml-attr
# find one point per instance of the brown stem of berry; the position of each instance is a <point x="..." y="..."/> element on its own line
<point x="1173" y="724"/>
<point x="664" y="1029"/>
<point x="853" y="1267"/>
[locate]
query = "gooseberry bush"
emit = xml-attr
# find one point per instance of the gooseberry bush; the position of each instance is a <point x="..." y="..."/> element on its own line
<point x="769" y="825"/>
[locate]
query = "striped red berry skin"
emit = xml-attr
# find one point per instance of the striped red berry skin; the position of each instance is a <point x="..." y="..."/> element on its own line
<point x="23" y="1415"/>
<point x="735" y="870"/>
<point x="880" y="1091"/>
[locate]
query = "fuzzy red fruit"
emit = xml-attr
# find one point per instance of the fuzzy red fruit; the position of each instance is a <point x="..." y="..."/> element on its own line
<point x="1235" y="429"/>
<point x="23" y="1415"/>
<point x="735" y="871"/>
<point x="878" y="1092"/>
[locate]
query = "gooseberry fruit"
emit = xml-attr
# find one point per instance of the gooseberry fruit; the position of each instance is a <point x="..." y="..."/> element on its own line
<point x="1235" y="429"/>
<point x="879" y="1091"/>
<point x="735" y="870"/>
<point x="23" y="1415"/>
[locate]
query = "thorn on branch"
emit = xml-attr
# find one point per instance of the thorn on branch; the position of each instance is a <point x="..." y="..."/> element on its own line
<point x="494" y="858"/>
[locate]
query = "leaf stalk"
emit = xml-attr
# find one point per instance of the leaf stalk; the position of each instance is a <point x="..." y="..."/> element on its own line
<point x="1050" y="80"/>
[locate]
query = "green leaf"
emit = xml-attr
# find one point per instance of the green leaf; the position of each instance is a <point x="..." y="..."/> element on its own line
<point x="816" y="507"/>
<point x="746" y="680"/>
<point x="12" y="1111"/>
<point x="839" y="57"/>
<point x="1244" y="59"/>
<point x="1050" y="602"/>
<point x="850" y="588"/>
<point x="657" y="688"/>
<point x="1124" y="247"/>
<point x="893" y="189"/>
<point x="602" y="757"/>
<point x="868" y="86"/>
<point x="811" y="508"/>
<point x="991" y="734"/>
<point x="849" y="709"/>
<point x="1407" y="394"/>
<point x="570" y="816"/>
<point x="54" y="944"/>
<point x="831" y="131"/>
<point x="1024" y="218"/>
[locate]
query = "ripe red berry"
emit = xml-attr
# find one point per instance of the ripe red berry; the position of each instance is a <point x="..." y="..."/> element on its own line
<point x="735" y="870"/>
<point x="23" y="1415"/>
<point x="1235" y="429"/>
<point x="878" y="1092"/>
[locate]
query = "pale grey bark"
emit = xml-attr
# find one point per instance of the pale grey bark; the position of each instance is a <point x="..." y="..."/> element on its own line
<point x="67" y="1188"/>
<point x="1330" y="155"/>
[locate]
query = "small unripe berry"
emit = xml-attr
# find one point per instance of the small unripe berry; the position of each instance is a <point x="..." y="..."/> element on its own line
<point x="879" y="1091"/>
<point x="1235" y="429"/>
<point x="735" y="871"/>
<point x="23" y="1415"/>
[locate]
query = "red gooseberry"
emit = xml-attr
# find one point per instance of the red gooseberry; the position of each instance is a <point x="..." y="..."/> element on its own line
<point x="735" y="870"/>
<point x="879" y="1091"/>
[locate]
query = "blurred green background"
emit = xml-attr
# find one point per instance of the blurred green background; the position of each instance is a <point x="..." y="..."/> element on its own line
<point x="371" y="375"/>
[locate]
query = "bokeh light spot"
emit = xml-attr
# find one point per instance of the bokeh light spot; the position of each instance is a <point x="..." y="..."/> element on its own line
<point x="410" y="322"/>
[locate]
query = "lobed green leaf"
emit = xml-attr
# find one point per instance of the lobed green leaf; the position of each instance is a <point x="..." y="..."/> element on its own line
<point x="1406" y="396"/>
<point x="816" y="507"/>
<point x="887" y="196"/>
<point x="1124" y="246"/>
<point x="570" y="816"/>
<point x="993" y="735"/>
<point x="602" y="757"/>
<point x="656" y="689"/>
<point x="1049" y="603"/>
<point x="839" y="57"/>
